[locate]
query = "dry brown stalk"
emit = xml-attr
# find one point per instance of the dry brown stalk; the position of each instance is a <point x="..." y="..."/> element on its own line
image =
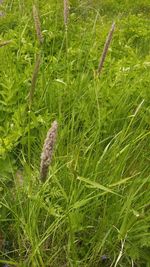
<point x="47" y="151"/>
<point x="105" y="50"/>
<point x="5" y="43"/>
<point x="37" y="25"/>
<point x="34" y="78"/>
<point x="66" y="11"/>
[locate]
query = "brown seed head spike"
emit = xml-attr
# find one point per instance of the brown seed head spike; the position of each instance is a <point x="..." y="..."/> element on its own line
<point x="105" y="50"/>
<point x="37" y="25"/>
<point x="47" y="152"/>
<point x="66" y="11"/>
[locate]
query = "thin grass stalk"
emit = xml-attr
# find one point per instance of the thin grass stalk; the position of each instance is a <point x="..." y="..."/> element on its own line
<point x="5" y="43"/>
<point x="105" y="50"/>
<point x="37" y="25"/>
<point x="66" y="12"/>
<point x="47" y="151"/>
<point x="31" y="94"/>
<point x="34" y="78"/>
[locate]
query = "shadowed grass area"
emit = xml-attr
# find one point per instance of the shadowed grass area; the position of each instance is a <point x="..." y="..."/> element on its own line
<point x="93" y="209"/>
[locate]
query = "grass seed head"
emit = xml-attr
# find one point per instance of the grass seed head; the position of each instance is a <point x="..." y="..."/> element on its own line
<point x="105" y="49"/>
<point x="66" y="11"/>
<point x="47" y="152"/>
<point x="37" y="25"/>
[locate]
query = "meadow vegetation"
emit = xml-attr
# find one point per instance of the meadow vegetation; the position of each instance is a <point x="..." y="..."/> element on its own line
<point x="94" y="207"/>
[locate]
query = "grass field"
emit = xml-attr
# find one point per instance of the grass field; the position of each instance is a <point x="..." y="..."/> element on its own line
<point x="94" y="207"/>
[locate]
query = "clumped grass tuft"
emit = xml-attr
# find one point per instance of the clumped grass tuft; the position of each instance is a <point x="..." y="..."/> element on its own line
<point x="92" y="207"/>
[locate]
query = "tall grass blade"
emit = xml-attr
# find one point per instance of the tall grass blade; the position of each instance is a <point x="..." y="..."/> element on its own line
<point x="96" y="185"/>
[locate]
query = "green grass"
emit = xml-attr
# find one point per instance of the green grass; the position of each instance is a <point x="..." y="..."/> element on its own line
<point x="93" y="209"/>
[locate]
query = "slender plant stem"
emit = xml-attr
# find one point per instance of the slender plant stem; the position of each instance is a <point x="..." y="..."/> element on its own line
<point x="34" y="78"/>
